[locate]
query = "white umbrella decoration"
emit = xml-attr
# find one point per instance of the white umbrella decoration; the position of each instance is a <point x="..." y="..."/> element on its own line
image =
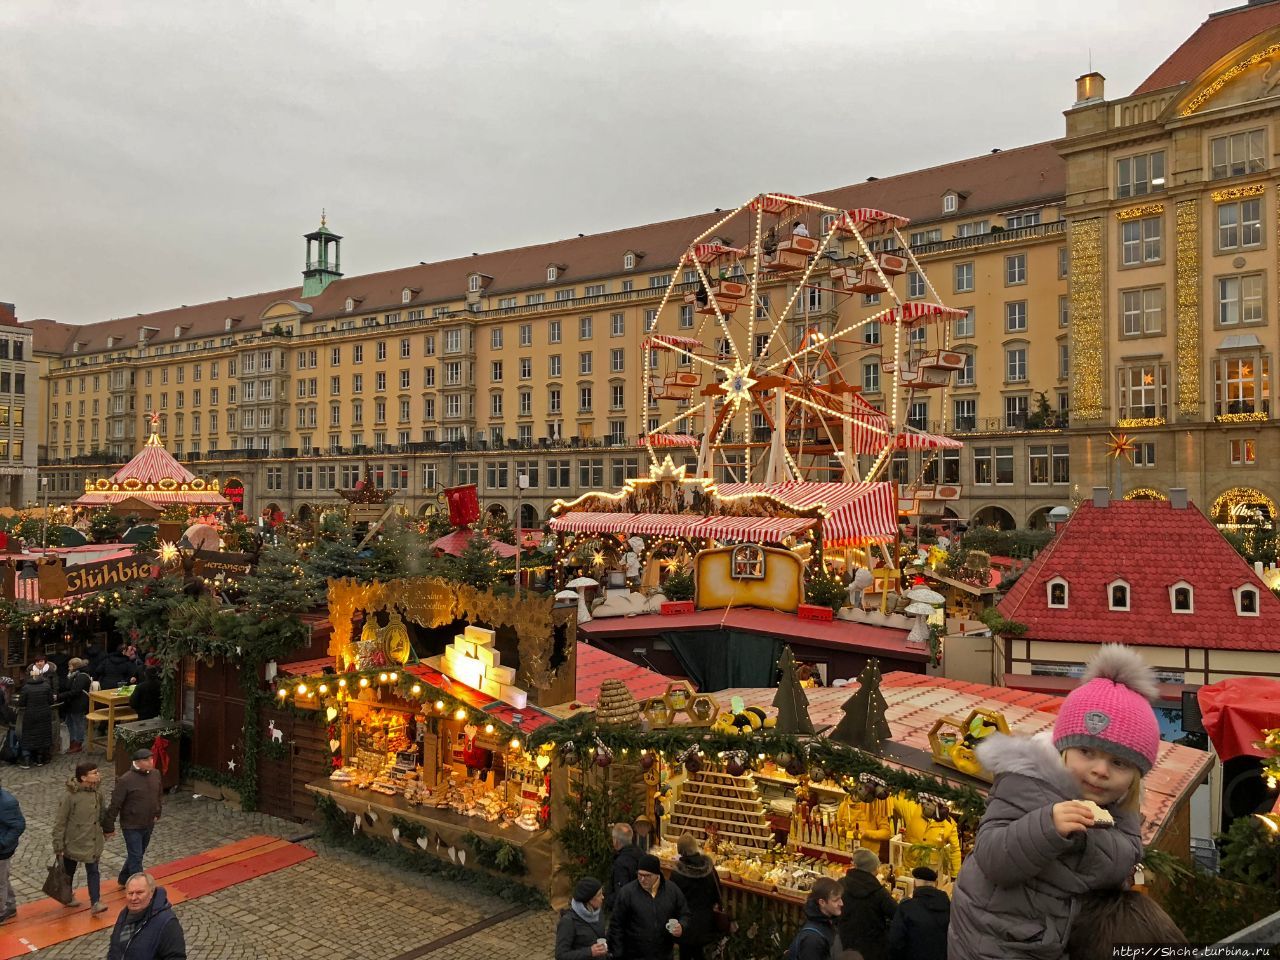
<point x="580" y="584"/>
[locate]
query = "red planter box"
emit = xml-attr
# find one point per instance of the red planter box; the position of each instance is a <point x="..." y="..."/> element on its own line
<point x="673" y="608"/>
<point x="807" y="611"/>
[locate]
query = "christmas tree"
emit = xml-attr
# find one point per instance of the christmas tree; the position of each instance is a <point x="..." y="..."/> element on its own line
<point x="792" y="704"/>
<point x="864" y="725"/>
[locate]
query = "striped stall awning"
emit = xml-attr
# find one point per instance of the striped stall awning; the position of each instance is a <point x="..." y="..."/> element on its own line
<point x="752" y="529"/>
<point x="919" y="440"/>
<point x="870" y="221"/>
<point x="672" y="440"/>
<point x="707" y="252"/>
<point x="912" y="312"/>
<point x="668" y="340"/>
<point x="772" y="202"/>
<point x="103" y="498"/>
<point x="854" y="513"/>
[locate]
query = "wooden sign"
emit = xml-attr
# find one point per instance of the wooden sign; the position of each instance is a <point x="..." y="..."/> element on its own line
<point x="210" y="563"/>
<point x="93" y="577"/>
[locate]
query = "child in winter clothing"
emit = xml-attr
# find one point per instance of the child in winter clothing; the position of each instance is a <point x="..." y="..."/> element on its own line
<point x="1039" y="848"/>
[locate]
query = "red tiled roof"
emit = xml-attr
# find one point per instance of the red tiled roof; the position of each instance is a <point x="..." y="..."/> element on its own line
<point x="1006" y="180"/>
<point x="1214" y="39"/>
<point x="596" y="665"/>
<point x="915" y="702"/>
<point x="1151" y="546"/>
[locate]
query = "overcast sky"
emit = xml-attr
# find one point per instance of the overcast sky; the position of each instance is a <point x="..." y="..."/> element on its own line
<point x="161" y="153"/>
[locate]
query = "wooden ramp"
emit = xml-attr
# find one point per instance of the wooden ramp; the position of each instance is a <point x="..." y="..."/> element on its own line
<point x="46" y="922"/>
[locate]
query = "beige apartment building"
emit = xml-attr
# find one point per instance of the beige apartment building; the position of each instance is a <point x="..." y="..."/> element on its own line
<point x="1120" y="280"/>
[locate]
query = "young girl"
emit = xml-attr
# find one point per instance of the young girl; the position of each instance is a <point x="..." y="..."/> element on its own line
<point x="1039" y="848"/>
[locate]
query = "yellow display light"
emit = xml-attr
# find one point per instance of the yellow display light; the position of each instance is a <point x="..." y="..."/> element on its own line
<point x="460" y="714"/>
<point x="439" y="704"/>
<point x="282" y="693"/>
<point x="342" y="684"/>
<point x="382" y="678"/>
<point x="364" y="681"/>
<point x="324" y="688"/>
<point x="515" y="743"/>
<point x="302" y="689"/>
<point x="416" y="689"/>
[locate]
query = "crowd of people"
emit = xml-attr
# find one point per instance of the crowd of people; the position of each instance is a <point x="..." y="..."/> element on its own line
<point x="59" y="685"/>
<point x="1049" y="876"/>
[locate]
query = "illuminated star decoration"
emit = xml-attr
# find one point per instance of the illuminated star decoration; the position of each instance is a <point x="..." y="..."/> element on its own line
<point x="1120" y="446"/>
<point x="168" y="552"/>
<point x="737" y="386"/>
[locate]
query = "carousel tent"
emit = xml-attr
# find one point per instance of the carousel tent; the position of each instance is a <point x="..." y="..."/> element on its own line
<point x="154" y="479"/>
<point x="852" y="514"/>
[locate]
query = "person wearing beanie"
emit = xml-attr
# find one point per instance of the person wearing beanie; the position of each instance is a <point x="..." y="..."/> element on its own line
<point x="580" y="933"/>
<point x="649" y="915"/>
<point x="868" y="908"/>
<point x="74" y="703"/>
<point x="695" y="875"/>
<point x="1040" y="846"/>
<point x="919" y="929"/>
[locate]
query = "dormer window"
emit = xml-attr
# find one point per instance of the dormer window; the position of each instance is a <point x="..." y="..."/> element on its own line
<point x="1246" y="601"/>
<point x="1182" y="598"/>
<point x="553" y="273"/>
<point x="350" y="304"/>
<point x="1058" y="593"/>
<point x="406" y="295"/>
<point x="629" y="261"/>
<point x="950" y="202"/>
<point x="1118" y="595"/>
<point x="473" y="283"/>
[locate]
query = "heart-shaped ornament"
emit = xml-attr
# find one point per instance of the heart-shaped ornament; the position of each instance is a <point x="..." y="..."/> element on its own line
<point x="395" y="834"/>
<point x="422" y="842"/>
<point x="543" y="760"/>
<point x="334" y="745"/>
<point x="462" y="857"/>
<point x="331" y="714"/>
<point x="453" y="854"/>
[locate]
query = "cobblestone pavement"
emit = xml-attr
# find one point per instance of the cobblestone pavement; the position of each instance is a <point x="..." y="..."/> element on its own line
<point x="335" y="905"/>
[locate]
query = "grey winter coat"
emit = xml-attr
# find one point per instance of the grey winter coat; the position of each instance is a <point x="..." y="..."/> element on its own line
<point x="1016" y="895"/>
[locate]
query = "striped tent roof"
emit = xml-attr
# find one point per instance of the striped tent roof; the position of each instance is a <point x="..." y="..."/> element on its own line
<point x="754" y="529"/>
<point x="152" y="464"/>
<point x="854" y="513"/>
<point x="153" y="475"/>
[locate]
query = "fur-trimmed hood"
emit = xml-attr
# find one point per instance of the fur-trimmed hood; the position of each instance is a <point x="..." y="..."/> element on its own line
<point x="1034" y="757"/>
<point x="695" y="865"/>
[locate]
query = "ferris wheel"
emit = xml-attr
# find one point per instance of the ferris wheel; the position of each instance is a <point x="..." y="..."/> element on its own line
<point x="752" y="360"/>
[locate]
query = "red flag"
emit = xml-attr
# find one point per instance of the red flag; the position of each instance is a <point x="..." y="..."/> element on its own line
<point x="464" y="504"/>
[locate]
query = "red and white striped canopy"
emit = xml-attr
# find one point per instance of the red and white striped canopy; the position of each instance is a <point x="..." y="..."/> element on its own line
<point x="152" y="464"/>
<point x="911" y="312"/>
<point x="666" y="341"/>
<point x="707" y="252"/>
<point x="753" y="529"/>
<point x="104" y="498"/>
<point x="872" y="430"/>
<point x="772" y="202"/>
<point x="672" y="440"/>
<point x="870" y="221"/>
<point x="854" y="513"/>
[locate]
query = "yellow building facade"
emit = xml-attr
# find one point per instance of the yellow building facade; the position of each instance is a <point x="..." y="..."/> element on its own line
<point x="1100" y="301"/>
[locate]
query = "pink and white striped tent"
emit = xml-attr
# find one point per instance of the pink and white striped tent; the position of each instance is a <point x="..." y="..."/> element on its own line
<point x="671" y="440"/>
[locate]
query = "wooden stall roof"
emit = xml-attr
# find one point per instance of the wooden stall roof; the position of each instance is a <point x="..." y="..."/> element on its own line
<point x="916" y="702"/>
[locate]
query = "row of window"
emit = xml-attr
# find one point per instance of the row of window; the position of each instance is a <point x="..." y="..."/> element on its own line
<point x="1182" y="597"/>
<point x="1231" y="155"/>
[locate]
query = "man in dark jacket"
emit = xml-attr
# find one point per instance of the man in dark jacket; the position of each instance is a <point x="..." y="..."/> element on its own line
<point x="816" y="937"/>
<point x="626" y="861"/>
<point x="868" y="909"/>
<point x="147" y="928"/>
<point x="146" y="699"/>
<point x="12" y="824"/>
<point x="649" y="915"/>
<point x="116" y="670"/>
<point x="919" y="928"/>
<point x="75" y="702"/>
<point x="137" y="799"/>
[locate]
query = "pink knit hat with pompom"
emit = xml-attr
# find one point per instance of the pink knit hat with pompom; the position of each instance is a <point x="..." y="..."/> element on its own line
<point x="1111" y="709"/>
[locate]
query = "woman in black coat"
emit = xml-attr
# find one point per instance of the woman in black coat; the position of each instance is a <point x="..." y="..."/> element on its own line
<point x="35" y="701"/>
<point x="695" y="875"/>
<point x="580" y="933"/>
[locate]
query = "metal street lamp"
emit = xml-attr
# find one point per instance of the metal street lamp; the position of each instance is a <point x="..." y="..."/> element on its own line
<point x="522" y="484"/>
<point x="1057" y="517"/>
<point x="44" y="516"/>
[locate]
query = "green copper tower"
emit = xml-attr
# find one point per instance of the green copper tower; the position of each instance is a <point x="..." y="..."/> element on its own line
<point x="324" y="260"/>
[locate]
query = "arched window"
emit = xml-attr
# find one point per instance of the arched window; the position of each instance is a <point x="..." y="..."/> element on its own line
<point x="1058" y="593"/>
<point x="1247" y="601"/>
<point x="747" y="562"/>
<point x="1182" y="598"/>
<point x="1118" y="595"/>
